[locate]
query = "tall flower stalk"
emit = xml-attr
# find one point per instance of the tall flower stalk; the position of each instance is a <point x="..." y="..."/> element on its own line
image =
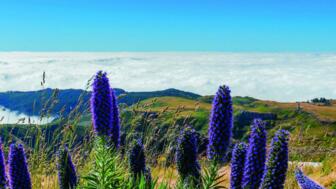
<point x="115" y="127"/>
<point x="3" y="177"/>
<point x="19" y="176"/>
<point x="277" y="162"/>
<point x="256" y="156"/>
<point x="305" y="182"/>
<point x="67" y="176"/>
<point x="221" y="122"/>
<point x="137" y="159"/>
<point x="137" y="162"/>
<point x="237" y="165"/>
<point x="188" y="166"/>
<point x="101" y="105"/>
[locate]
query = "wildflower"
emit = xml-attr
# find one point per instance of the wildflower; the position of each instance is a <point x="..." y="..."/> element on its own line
<point x="277" y="162"/>
<point x="66" y="170"/>
<point x="186" y="155"/>
<point x="19" y="176"/>
<point x="221" y="121"/>
<point x="237" y="165"/>
<point x="101" y="105"/>
<point x="256" y="156"/>
<point x="137" y="159"/>
<point x="3" y="177"/>
<point x="305" y="182"/>
<point x="115" y="127"/>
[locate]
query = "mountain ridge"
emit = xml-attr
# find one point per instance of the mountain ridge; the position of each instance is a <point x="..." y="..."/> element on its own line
<point x="56" y="100"/>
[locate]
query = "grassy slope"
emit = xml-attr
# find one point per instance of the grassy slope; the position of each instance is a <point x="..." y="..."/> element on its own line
<point x="323" y="113"/>
<point x="313" y="132"/>
<point x="313" y="128"/>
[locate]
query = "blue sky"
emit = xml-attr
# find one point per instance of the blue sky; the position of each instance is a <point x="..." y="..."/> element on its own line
<point x="168" y="25"/>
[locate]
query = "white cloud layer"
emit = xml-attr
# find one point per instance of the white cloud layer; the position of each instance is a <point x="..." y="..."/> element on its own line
<point x="273" y="76"/>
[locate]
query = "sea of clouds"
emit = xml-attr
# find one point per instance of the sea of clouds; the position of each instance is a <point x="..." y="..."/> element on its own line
<point x="271" y="76"/>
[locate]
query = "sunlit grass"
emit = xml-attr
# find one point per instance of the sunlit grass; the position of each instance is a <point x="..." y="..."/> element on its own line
<point x="306" y="142"/>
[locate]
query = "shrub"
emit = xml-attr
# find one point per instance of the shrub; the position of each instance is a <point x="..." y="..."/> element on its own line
<point x="108" y="169"/>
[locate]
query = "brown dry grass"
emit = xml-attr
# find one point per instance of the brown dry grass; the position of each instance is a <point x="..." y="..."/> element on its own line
<point x="174" y="103"/>
<point x="318" y="174"/>
<point x="323" y="113"/>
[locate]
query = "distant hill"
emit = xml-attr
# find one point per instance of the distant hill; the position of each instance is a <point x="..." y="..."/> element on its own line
<point x="134" y="97"/>
<point x="32" y="102"/>
<point x="55" y="101"/>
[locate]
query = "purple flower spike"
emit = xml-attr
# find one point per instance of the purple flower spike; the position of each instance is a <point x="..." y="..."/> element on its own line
<point x="237" y="165"/>
<point x="3" y="177"/>
<point x="305" y="182"/>
<point x="256" y="156"/>
<point x="137" y="159"/>
<point x="221" y="122"/>
<point x="67" y="176"/>
<point x="277" y="162"/>
<point x="186" y="156"/>
<point x="115" y="121"/>
<point x="19" y="176"/>
<point x="101" y="105"/>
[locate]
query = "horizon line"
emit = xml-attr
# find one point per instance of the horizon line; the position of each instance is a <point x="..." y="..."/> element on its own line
<point x="131" y="51"/>
<point x="158" y="90"/>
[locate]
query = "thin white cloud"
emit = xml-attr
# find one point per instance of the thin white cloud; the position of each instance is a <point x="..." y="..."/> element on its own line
<point x="274" y="76"/>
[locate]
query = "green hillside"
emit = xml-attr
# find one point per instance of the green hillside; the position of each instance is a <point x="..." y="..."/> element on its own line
<point x="159" y="121"/>
<point x="313" y="127"/>
<point x="55" y="101"/>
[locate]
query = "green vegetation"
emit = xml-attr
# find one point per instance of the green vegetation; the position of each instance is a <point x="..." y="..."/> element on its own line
<point x="58" y="101"/>
<point x="159" y="119"/>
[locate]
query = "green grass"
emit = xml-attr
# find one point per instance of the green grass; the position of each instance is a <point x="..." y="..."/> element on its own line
<point x="312" y="136"/>
<point x="308" y="131"/>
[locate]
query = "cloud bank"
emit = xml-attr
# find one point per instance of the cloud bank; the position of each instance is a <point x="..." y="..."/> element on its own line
<point x="272" y="76"/>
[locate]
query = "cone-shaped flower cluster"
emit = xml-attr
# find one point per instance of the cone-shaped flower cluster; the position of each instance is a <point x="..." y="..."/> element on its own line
<point x="237" y="165"/>
<point x="305" y="182"/>
<point x="66" y="170"/>
<point x="101" y="105"/>
<point x="256" y="156"/>
<point x="3" y="177"/>
<point x="277" y="162"/>
<point x="19" y="176"/>
<point x="115" y="130"/>
<point x="221" y="122"/>
<point x="186" y="155"/>
<point x="137" y="159"/>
